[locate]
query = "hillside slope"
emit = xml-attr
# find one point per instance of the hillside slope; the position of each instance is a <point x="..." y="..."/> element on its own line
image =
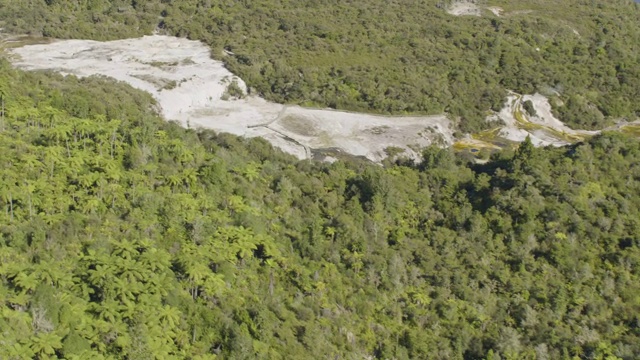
<point x="390" y="57"/>
<point x="126" y="237"/>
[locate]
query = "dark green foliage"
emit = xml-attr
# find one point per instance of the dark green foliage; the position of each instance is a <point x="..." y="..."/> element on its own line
<point x="528" y="107"/>
<point x="390" y="57"/>
<point x="125" y="237"/>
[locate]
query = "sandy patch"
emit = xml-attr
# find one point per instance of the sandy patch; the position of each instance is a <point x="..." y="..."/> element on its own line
<point x="362" y="134"/>
<point x="543" y="129"/>
<point x="471" y="8"/>
<point x="464" y="8"/>
<point x="496" y="10"/>
<point x="189" y="87"/>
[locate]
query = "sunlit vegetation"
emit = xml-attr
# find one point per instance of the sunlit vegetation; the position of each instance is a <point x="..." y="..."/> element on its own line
<point x="390" y="57"/>
<point x="125" y="237"/>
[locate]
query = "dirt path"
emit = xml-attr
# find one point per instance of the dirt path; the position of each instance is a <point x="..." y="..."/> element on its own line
<point x="266" y="125"/>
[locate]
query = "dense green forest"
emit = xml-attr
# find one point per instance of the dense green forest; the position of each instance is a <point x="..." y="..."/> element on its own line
<point x="384" y="56"/>
<point x="126" y="237"/>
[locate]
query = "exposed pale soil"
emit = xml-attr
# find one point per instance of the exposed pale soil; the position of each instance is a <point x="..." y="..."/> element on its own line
<point x="544" y="129"/>
<point x="496" y="10"/>
<point x="189" y="87"/>
<point x="464" y="8"/>
<point x="472" y="8"/>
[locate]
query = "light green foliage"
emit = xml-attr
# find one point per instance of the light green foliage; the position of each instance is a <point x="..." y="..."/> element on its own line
<point x="125" y="237"/>
<point x="389" y="57"/>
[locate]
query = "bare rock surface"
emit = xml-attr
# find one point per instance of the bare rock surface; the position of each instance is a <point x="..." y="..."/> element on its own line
<point x="192" y="89"/>
<point x="195" y="90"/>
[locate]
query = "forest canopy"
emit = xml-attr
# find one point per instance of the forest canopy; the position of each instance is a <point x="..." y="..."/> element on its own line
<point x="394" y="57"/>
<point x="126" y="237"/>
<point x="123" y="236"/>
